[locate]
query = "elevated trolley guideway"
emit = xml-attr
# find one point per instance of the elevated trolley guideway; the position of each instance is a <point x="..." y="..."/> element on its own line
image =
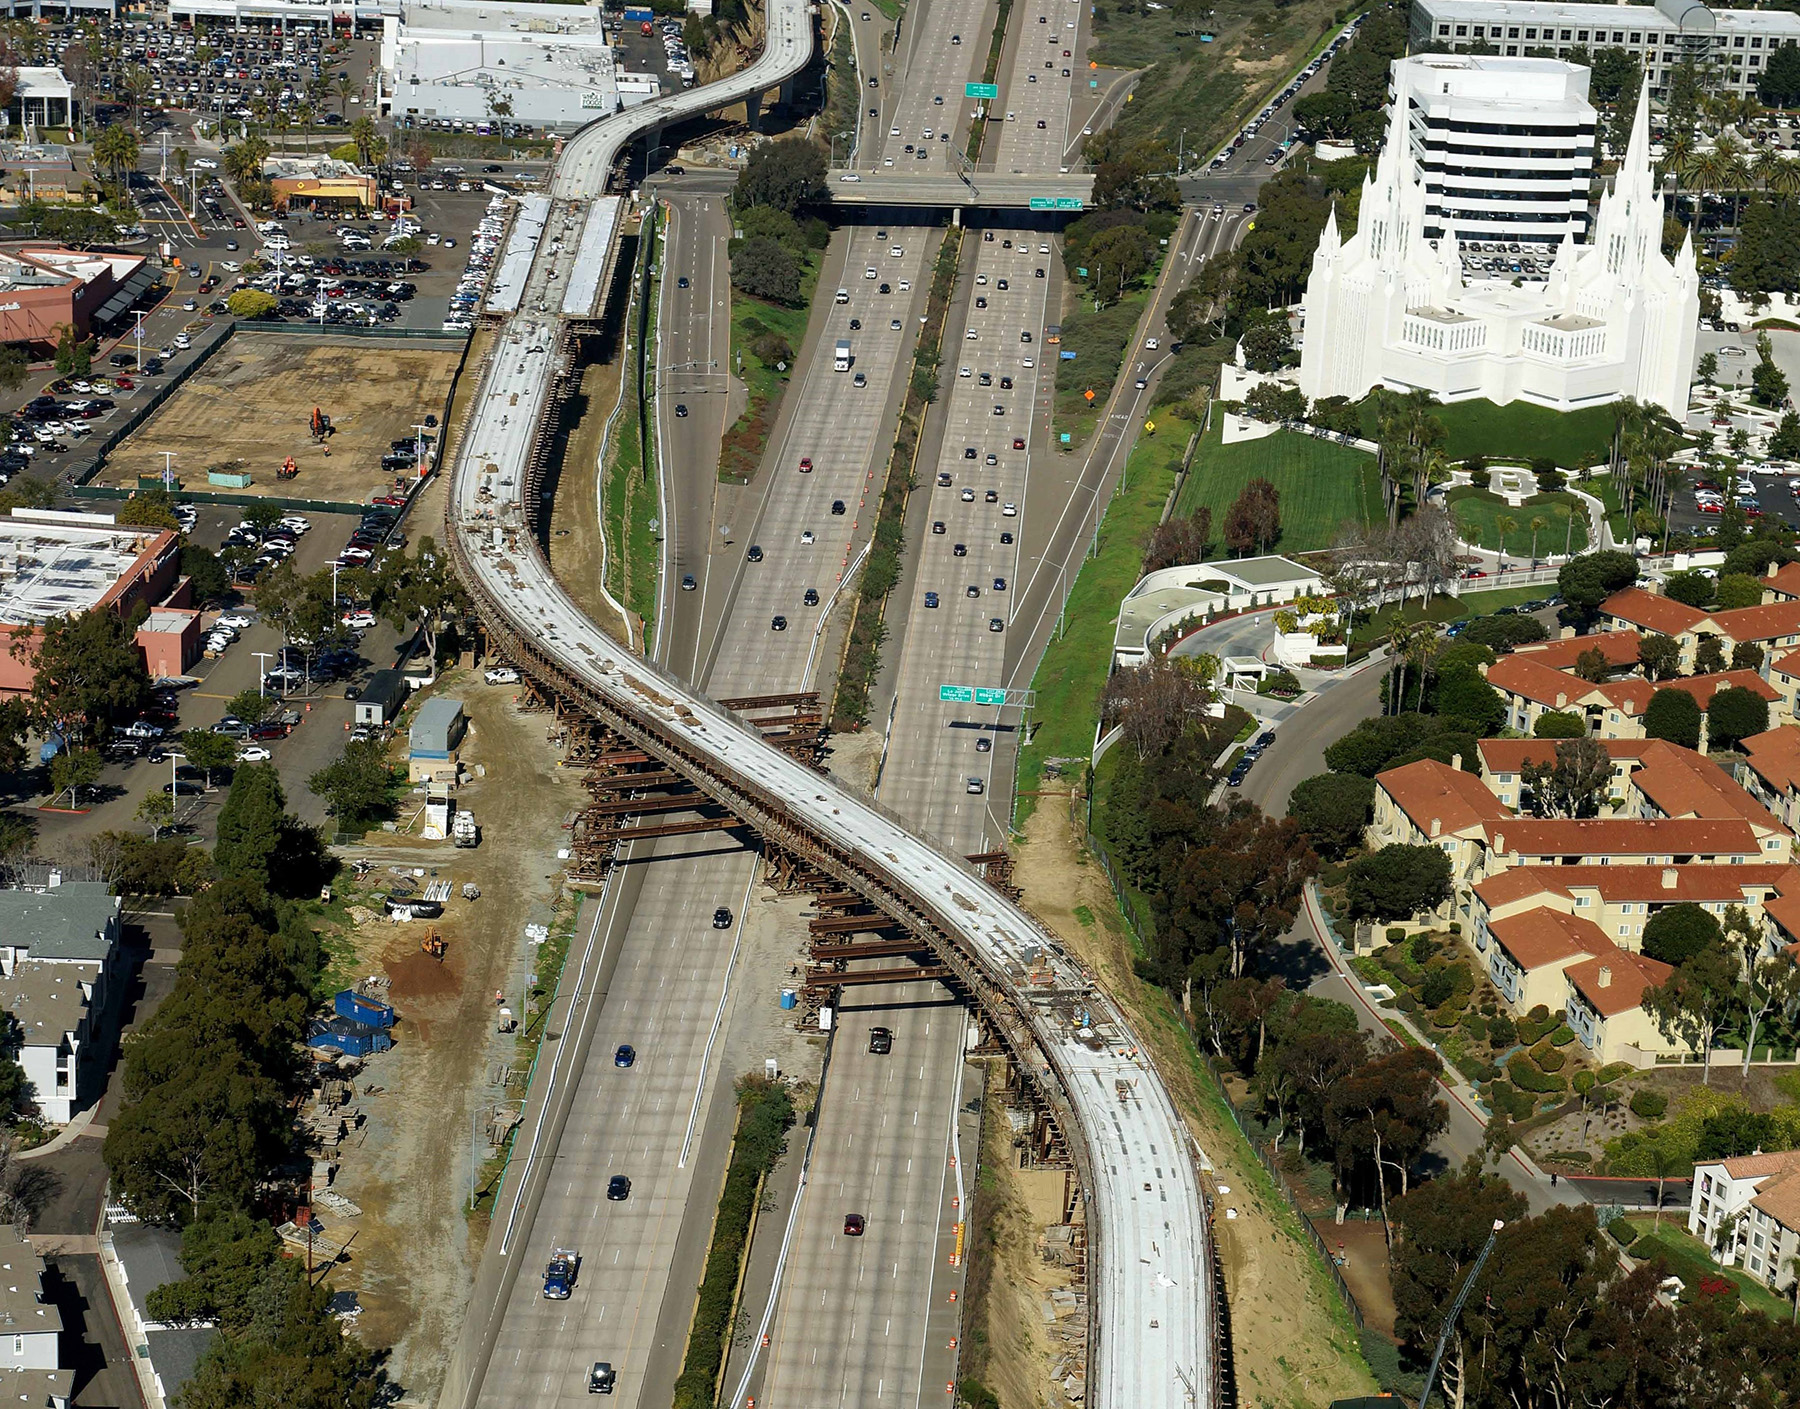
<point x="1155" y="1323"/>
<point x="979" y="190"/>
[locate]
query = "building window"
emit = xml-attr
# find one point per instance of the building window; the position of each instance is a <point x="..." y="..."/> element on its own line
<point x="1531" y="34"/>
<point x="1513" y="33"/>
<point x="1581" y="37"/>
<point x="1462" y="31"/>
<point x="1443" y="31"/>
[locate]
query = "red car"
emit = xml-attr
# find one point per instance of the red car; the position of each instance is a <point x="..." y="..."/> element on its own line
<point x="1474" y="572"/>
<point x="806" y="464"/>
<point x="391" y="501"/>
<point x="1708" y="507"/>
<point x="124" y="384"/>
<point x="1018" y="443"/>
<point x="853" y="1225"/>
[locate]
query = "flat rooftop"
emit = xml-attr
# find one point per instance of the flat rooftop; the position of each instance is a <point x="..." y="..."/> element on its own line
<point x="1609" y="16"/>
<point x="48" y="999"/>
<point x="21" y="1286"/>
<point x="54" y="564"/>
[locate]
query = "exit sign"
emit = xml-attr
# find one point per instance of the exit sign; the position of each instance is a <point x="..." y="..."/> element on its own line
<point x="981" y="90"/>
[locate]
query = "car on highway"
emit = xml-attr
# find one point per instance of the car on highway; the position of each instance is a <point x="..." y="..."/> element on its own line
<point x="968" y="495"/>
<point x="778" y="623"/>
<point x="810" y="597"/>
<point x="682" y="282"/>
<point x="624" y="1055"/>
<point x="999" y="584"/>
<point x="881" y="1041"/>
<point x="1010" y="510"/>
<point x="722" y="918"/>
<point x="937" y="525"/>
<point x="600" y="1378"/>
<point x="853" y="1225"/>
<point x="806" y="537"/>
<point x="681" y="410"/>
<point x="755" y="554"/>
<point x="618" y="1189"/>
<point x="984" y="745"/>
<point x="931" y="600"/>
<point x="687" y="582"/>
<point x="959" y="550"/>
<point x="996" y="624"/>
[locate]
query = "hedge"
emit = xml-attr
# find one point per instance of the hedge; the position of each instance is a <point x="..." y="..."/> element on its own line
<point x="1612" y="1071"/>
<point x="1475" y="1025"/>
<point x="1446" y="1015"/>
<point x="1548" y="1058"/>
<point x="1622" y="1232"/>
<point x="1584" y="1082"/>
<point x="1527" y="1077"/>
<point x="1508" y="1100"/>
<point x="1648" y="1105"/>
<point x="1535" y="1024"/>
<point x="765" y="1111"/>
<point x="1563" y="1036"/>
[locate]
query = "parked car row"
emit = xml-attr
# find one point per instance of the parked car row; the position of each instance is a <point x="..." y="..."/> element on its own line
<point x="1284" y="97"/>
<point x="1241" y="769"/>
<point x="484" y="245"/>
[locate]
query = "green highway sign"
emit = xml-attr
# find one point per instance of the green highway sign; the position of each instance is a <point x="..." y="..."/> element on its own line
<point x="1043" y="203"/>
<point x="989" y="697"/>
<point x="1068" y="202"/>
<point x="1056" y="203"/>
<point x="955" y="694"/>
<point x="981" y="90"/>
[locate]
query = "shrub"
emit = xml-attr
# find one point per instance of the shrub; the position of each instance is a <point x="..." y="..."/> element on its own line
<point x="1612" y="1071"/>
<point x="1456" y="927"/>
<point x="1475" y="1025"/>
<point x="1422" y="947"/>
<point x="1548" y="1058"/>
<point x="1446" y="1015"/>
<point x="1648" y="1105"/>
<point x="1534" y="1025"/>
<point x="1502" y="1031"/>
<point x="1584" y="1082"/>
<point x="1395" y="934"/>
<point x="1406" y="1002"/>
<point x="1438" y="989"/>
<point x="1622" y="1232"/>
<point x="1563" y="1035"/>
<point x="1508" y="1100"/>
<point x="1527" y="1077"/>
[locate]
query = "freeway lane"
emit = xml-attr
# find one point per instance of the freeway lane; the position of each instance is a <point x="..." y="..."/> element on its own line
<point x="693" y="403"/>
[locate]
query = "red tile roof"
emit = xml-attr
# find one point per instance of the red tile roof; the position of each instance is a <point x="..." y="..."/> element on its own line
<point x="1521" y="675"/>
<point x="1633" y="696"/>
<point x="1682" y="783"/>
<point x="1428" y="790"/>
<point x="1619" y="647"/>
<point x="1511" y="755"/>
<point x="1614" y="982"/>
<point x="1610" y="836"/>
<point x="1646" y="609"/>
<point x="1785" y="580"/>
<point x="1540" y="937"/>
<point x="1775" y="755"/>
<point x="1700" y="884"/>
<point x="1757" y="1166"/>
<point x="1788" y="664"/>
<point x="1759" y="623"/>
<point x="1784" y="911"/>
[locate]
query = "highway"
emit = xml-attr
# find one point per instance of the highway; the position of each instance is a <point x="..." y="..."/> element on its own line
<point x="1148" y="1265"/>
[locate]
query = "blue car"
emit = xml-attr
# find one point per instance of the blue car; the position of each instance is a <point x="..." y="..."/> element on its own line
<point x="625" y="1055"/>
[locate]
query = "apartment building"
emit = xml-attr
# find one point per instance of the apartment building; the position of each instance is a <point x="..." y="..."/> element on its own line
<point x="1747" y="1211"/>
<point x="1735" y="43"/>
<point x="1774" y="625"/>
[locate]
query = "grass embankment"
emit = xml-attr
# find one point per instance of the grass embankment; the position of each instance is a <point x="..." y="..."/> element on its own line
<point x="765" y="1111"/>
<point x="996" y="44"/>
<point x="1322" y="485"/>
<point x="1203" y="76"/>
<point x="843" y="85"/>
<point x="753" y="319"/>
<point x="1478" y="513"/>
<point x="881" y="570"/>
<point x="1075" y="665"/>
<point x="1519" y="431"/>
<point x="631" y="490"/>
<point x="1100" y="342"/>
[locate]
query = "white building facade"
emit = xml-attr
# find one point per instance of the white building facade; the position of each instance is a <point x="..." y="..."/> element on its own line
<point x="1735" y="43"/>
<point x="1504" y="147"/>
<point x="1389" y="307"/>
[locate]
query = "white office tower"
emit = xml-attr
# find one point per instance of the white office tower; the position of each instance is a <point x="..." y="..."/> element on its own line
<point x="1505" y="147"/>
<point x="1390" y="307"/>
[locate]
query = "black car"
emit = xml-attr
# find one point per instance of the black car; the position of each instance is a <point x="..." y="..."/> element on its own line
<point x="618" y="1188"/>
<point x="881" y="1041"/>
<point x="755" y="554"/>
<point x="681" y="410"/>
<point x="837" y="506"/>
<point x="722" y="918"/>
<point x="181" y="787"/>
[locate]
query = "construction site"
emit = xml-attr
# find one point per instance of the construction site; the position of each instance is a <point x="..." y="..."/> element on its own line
<point x="290" y="417"/>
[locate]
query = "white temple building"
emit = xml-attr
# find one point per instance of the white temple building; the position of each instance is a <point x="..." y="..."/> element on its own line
<point x="1390" y="307"/>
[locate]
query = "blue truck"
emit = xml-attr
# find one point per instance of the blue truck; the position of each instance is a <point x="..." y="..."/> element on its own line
<point x="559" y="1276"/>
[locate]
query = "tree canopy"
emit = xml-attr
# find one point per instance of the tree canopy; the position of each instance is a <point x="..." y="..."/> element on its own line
<point x="1673" y="715"/>
<point x="1332" y="809"/>
<point x="787" y="174"/>
<point x="1398" y="882"/>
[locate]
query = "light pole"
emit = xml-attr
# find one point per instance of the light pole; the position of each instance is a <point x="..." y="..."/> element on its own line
<point x="262" y="670"/>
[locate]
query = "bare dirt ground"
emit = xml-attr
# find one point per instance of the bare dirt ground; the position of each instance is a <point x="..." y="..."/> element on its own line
<point x="250" y="407"/>
<point x="1010" y="1346"/>
<point x="575" y="544"/>
<point x="1292" y="1341"/>
<point x="1362" y="1249"/>
<point x="414" y="1257"/>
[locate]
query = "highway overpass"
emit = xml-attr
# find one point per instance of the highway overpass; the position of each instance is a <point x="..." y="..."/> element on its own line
<point x="978" y="190"/>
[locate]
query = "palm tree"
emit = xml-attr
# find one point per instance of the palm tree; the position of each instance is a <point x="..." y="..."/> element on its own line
<point x="1733" y="166"/>
<point x="1538" y="524"/>
<point x="1505" y="523"/>
<point x="342" y="86"/>
<point x="116" y="149"/>
<point x="1784" y="173"/>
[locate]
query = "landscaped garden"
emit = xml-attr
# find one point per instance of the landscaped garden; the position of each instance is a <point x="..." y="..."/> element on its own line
<point x="1322" y="485"/>
<point x="1519" y="430"/>
<point x="1541" y="525"/>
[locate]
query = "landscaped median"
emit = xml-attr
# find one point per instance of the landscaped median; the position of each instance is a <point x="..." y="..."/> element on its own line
<point x="765" y="337"/>
<point x="629" y="499"/>
<point x="881" y="570"/>
<point x="765" y="1111"/>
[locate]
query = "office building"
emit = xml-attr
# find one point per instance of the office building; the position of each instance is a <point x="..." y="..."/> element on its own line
<point x="1391" y="307"/>
<point x="1737" y="43"/>
<point x="1504" y="147"/>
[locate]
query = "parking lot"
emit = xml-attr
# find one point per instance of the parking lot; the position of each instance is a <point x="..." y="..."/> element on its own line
<point x="250" y="408"/>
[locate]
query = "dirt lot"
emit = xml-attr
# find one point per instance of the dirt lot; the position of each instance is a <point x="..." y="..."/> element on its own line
<point x="1293" y="1343"/>
<point x="575" y="543"/>
<point x="413" y="1260"/>
<point x="253" y="403"/>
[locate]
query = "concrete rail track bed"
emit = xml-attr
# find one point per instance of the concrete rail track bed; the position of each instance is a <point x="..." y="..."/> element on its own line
<point x="1154" y="1327"/>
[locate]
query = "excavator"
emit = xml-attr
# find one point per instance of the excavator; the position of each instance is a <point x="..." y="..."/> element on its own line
<point x="433" y="944"/>
<point x="321" y="426"/>
<point x="288" y="469"/>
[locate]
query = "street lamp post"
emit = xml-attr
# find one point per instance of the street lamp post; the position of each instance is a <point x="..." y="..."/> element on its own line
<point x="261" y="670"/>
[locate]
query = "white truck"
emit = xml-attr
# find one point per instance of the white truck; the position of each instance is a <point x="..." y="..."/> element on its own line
<point x="463" y="830"/>
<point x="843" y="355"/>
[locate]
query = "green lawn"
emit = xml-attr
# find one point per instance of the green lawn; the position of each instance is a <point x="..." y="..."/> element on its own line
<point x="1519" y="431"/>
<point x="1687" y="1258"/>
<point x="1074" y="669"/>
<point x="1373" y="630"/>
<point x="1322" y="485"/>
<point x="1098" y="341"/>
<point x="1478" y="512"/>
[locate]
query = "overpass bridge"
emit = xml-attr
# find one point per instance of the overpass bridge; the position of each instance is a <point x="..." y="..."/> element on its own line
<point x="1155" y="1329"/>
<point x="1069" y="192"/>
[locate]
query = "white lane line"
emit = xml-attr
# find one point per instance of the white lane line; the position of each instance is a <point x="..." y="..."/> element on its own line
<point x="737" y="940"/>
